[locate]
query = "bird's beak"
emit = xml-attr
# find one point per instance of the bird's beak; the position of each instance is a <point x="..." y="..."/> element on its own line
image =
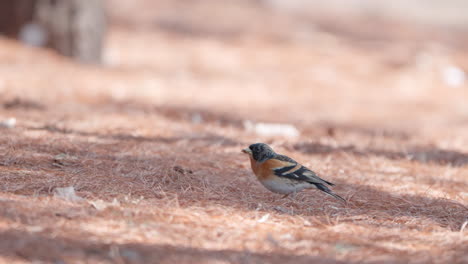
<point x="247" y="151"/>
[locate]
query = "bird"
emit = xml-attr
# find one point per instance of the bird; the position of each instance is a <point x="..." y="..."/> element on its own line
<point x="281" y="174"/>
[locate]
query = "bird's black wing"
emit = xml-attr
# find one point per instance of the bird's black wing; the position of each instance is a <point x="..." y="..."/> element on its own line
<point x="295" y="171"/>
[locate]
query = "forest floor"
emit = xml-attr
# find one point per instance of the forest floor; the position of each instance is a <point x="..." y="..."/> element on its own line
<point x="150" y="141"/>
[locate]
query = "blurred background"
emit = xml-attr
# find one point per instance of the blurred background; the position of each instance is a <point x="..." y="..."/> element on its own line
<point x="345" y="53"/>
<point x="335" y="58"/>
<point x="136" y="111"/>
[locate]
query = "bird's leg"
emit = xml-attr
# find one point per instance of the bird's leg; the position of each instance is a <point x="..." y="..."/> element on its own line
<point x="294" y="195"/>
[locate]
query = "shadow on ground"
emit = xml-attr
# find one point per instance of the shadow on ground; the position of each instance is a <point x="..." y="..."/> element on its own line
<point x="29" y="246"/>
<point x="423" y="154"/>
<point x="78" y="245"/>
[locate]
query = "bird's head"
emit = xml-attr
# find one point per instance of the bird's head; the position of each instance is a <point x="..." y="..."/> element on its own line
<point x="260" y="152"/>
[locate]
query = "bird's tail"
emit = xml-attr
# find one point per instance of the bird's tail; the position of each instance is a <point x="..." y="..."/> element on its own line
<point x="329" y="192"/>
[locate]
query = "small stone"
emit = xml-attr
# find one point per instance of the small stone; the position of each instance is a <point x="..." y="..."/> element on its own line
<point x="67" y="193"/>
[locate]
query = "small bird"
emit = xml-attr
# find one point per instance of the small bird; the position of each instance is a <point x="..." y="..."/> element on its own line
<point x="281" y="174"/>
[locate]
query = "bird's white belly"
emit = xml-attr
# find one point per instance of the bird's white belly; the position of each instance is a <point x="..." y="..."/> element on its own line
<point x="285" y="187"/>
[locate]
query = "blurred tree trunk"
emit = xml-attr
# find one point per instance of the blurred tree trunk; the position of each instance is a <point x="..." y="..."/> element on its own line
<point x="74" y="28"/>
<point x="14" y="14"/>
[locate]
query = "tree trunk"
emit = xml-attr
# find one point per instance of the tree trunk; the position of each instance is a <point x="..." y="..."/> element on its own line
<point x="74" y="28"/>
<point x="14" y="14"/>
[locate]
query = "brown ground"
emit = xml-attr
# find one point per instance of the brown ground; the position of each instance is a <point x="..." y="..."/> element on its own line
<point x="374" y="116"/>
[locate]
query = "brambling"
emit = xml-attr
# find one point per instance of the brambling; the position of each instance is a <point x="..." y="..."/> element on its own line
<point x="281" y="174"/>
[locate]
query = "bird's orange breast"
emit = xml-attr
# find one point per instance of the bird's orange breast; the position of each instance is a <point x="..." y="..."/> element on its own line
<point x="264" y="170"/>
